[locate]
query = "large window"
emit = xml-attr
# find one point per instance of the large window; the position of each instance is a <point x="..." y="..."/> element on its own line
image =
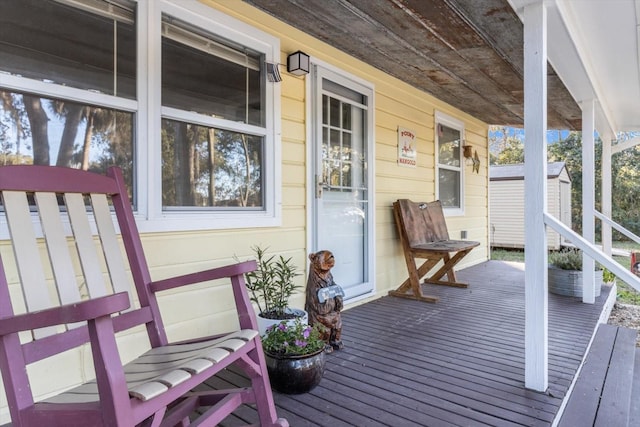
<point x="180" y="102"/>
<point x="50" y="42"/>
<point x="203" y="166"/>
<point x="449" y="142"/>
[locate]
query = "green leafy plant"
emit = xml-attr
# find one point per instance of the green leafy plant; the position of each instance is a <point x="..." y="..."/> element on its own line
<point x="293" y="339"/>
<point x="566" y="259"/>
<point x="272" y="284"/>
<point x="607" y="276"/>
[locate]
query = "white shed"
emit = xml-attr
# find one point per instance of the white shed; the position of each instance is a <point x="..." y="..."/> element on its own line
<point x="507" y="203"/>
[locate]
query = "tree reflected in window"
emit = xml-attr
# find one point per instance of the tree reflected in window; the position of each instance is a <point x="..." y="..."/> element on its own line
<point x="206" y="167"/>
<point x="52" y="132"/>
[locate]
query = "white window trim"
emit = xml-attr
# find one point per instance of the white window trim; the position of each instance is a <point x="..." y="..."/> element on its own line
<point x="449" y="121"/>
<point x="149" y="182"/>
<point x="149" y="112"/>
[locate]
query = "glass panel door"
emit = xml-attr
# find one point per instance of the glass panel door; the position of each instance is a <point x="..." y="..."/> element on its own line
<point x="342" y="197"/>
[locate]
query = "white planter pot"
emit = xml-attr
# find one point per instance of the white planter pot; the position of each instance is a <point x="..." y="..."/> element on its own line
<point x="264" y="323"/>
<point x="569" y="282"/>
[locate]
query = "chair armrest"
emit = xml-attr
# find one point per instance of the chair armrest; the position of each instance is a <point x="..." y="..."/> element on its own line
<point x="235" y="272"/>
<point x="203" y="276"/>
<point x="69" y="313"/>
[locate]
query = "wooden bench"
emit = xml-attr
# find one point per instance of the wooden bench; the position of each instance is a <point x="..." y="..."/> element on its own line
<point x="423" y="234"/>
<point x="74" y="289"/>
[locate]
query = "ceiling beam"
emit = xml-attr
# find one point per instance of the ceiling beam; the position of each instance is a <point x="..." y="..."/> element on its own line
<point x="630" y="143"/>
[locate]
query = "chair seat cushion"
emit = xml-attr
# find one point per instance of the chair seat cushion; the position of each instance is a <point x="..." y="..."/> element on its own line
<point x="161" y="368"/>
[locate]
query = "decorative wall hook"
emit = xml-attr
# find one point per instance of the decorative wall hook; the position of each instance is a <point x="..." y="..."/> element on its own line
<point x="476" y="162"/>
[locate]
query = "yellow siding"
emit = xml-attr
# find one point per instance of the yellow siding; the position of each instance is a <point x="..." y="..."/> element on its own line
<point x="396" y="104"/>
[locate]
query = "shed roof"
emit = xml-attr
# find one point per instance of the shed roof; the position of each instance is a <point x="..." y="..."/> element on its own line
<point x="514" y="172"/>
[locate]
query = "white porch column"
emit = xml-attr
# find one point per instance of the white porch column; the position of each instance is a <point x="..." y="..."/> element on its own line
<point x="588" y="197"/>
<point x="535" y="188"/>
<point x="605" y="233"/>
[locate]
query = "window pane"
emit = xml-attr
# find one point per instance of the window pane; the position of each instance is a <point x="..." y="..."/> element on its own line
<point x="448" y="146"/>
<point x="203" y="75"/>
<point x="334" y="112"/>
<point x="346" y="146"/>
<point x="206" y="167"/>
<point x="449" y="182"/>
<point x="325" y="110"/>
<point x="70" y="46"/>
<point x="42" y="131"/>
<point x="343" y="163"/>
<point x="346" y="116"/>
<point x="334" y="155"/>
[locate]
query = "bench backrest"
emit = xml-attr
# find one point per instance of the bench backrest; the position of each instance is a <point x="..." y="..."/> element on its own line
<point x="66" y="249"/>
<point x="421" y="222"/>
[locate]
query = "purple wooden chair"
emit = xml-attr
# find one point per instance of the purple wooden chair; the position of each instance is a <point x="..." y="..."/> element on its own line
<point x="91" y="303"/>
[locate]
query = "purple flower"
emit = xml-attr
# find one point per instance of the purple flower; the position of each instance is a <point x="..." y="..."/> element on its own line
<point x="301" y="343"/>
<point x="282" y="327"/>
<point x="306" y="333"/>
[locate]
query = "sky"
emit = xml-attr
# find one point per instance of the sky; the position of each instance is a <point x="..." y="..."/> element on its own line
<point x="553" y="135"/>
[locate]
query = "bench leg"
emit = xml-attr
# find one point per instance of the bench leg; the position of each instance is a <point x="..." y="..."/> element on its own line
<point x="410" y="288"/>
<point x="447" y="268"/>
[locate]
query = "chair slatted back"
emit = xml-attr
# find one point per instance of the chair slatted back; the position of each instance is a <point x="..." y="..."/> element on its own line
<point x="65" y="246"/>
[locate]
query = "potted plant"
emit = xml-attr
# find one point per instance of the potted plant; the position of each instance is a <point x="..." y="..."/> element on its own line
<point x="608" y="277"/>
<point x="294" y="352"/>
<point x="565" y="273"/>
<point x="270" y="287"/>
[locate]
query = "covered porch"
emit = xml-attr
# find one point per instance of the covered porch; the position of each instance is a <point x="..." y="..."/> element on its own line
<point x="538" y="64"/>
<point x="457" y="362"/>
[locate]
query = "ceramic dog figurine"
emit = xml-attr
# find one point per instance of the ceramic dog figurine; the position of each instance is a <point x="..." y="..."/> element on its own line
<point x="324" y="299"/>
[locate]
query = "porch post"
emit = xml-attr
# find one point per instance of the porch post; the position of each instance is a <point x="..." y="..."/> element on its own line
<point x="605" y="233"/>
<point x="535" y="188"/>
<point x="588" y="198"/>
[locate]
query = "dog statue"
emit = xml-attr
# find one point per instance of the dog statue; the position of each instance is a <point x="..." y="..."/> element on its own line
<point x="324" y="299"/>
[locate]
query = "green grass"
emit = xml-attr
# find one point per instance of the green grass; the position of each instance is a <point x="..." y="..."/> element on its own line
<point x="627" y="244"/>
<point x="626" y="294"/>
<point x="507" y="254"/>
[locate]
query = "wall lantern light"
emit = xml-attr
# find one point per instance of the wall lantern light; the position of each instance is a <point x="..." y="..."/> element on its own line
<point x="298" y="63"/>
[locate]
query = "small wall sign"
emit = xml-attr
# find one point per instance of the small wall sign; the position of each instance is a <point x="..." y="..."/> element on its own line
<point x="407" y="149"/>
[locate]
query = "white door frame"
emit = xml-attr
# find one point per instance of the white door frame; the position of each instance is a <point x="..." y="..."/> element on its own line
<point x="311" y="179"/>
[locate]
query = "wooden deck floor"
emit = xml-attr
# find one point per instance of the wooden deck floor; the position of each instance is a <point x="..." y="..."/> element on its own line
<point x="459" y="362"/>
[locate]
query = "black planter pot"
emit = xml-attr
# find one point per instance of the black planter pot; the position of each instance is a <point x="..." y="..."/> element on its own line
<point x="295" y="374"/>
